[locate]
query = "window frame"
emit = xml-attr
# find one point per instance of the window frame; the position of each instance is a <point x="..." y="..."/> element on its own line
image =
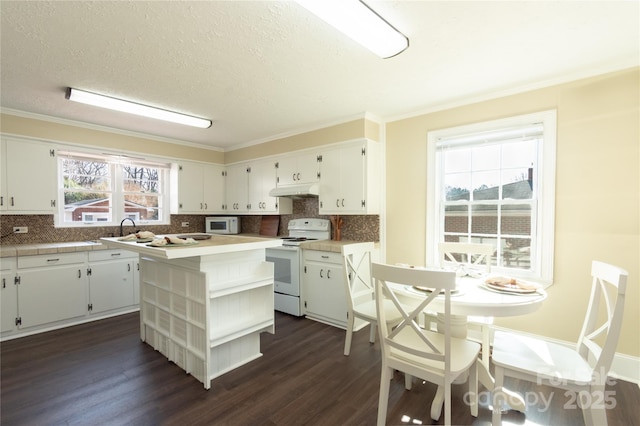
<point x="116" y="163"/>
<point x="543" y="230"/>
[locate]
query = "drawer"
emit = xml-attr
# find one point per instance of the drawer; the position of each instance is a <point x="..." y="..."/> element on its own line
<point x="99" y="255"/>
<point x="322" y="256"/>
<point x="56" y="259"/>
<point x="7" y="263"/>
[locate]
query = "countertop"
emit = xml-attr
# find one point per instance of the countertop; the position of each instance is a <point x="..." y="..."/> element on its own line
<point x="217" y="244"/>
<point x="70" y="247"/>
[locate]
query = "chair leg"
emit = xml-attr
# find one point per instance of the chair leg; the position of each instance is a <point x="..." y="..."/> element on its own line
<point x="498" y="397"/>
<point x="473" y="389"/>
<point x="372" y="332"/>
<point x="349" y="335"/>
<point x="408" y="381"/>
<point x="593" y="413"/>
<point x="486" y="346"/>
<point x="436" y="405"/>
<point x="447" y="403"/>
<point x="385" y="378"/>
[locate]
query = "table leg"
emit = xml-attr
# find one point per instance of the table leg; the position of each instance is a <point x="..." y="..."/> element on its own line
<point x="459" y="330"/>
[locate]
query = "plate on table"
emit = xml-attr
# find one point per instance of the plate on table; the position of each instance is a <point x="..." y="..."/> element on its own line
<point x="510" y="285"/>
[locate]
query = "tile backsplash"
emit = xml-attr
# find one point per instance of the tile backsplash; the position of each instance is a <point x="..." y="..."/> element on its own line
<point x="41" y="229"/>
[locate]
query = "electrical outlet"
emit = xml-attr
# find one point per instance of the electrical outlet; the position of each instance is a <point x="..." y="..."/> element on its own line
<point x="20" y="229"/>
<point x="185" y="224"/>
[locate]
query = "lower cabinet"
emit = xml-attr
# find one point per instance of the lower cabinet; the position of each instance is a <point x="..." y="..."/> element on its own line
<point x="112" y="276"/>
<point x="45" y="292"/>
<point x="323" y="287"/>
<point x="8" y="294"/>
<point x="51" y="288"/>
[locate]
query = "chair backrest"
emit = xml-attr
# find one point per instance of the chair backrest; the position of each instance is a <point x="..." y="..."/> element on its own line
<point x="357" y="270"/>
<point x="608" y="282"/>
<point x="469" y="254"/>
<point x="387" y="278"/>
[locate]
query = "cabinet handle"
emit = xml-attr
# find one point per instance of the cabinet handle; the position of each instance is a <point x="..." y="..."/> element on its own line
<point x="205" y="206"/>
<point x="337" y="202"/>
<point x="298" y="176"/>
<point x="343" y="202"/>
<point x="4" y="283"/>
<point x="200" y="206"/>
<point x="293" y="177"/>
<point x="52" y="260"/>
<point x="12" y="202"/>
<point x="1" y="200"/>
<point x="128" y="267"/>
<point x="329" y="273"/>
<point x="79" y="273"/>
<point x="324" y="256"/>
<point x="116" y="254"/>
<point x="321" y="273"/>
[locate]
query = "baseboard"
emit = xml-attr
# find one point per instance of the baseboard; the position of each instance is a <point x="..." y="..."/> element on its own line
<point x="624" y="367"/>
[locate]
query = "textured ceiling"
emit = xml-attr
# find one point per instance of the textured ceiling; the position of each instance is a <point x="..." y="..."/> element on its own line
<point x="265" y="69"/>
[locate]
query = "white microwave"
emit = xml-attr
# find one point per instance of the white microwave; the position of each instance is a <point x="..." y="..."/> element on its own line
<point x="222" y="225"/>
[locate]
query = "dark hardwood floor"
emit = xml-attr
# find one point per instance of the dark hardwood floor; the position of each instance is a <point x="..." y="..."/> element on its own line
<point x="102" y="374"/>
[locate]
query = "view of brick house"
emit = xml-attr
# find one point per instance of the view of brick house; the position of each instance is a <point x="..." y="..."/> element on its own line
<point x="98" y="210"/>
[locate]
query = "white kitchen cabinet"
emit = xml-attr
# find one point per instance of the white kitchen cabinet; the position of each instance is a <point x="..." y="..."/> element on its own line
<point x="324" y="292"/>
<point x="51" y="288"/>
<point x="262" y="179"/>
<point x="20" y="191"/>
<point x="248" y="186"/>
<point x="350" y="179"/>
<point x="8" y="294"/>
<point x="237" y="188"/>
<point x="112" y="279"/>
<point x="297" y="169"/>
<point x="201" y="188"/>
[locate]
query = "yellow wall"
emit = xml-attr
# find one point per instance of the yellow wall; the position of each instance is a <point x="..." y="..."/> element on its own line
<point x="597" y="192"/>
<point x="356" y="129"/>
<point x="58" y="132"/>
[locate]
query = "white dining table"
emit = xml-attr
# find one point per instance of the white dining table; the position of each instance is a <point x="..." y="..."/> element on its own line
<point x="473" y="298"/>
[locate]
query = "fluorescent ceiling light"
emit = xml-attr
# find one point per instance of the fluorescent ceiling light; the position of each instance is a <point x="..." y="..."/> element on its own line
<point x="134" y="108"/>
<point x="355" y="19"/>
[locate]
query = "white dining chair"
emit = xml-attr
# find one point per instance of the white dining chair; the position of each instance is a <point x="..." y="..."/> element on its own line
<point x="360" y="290"/>
<point x="435" y="357"/>
<point x="473" y="257"/>
<point x="582" y="370"/>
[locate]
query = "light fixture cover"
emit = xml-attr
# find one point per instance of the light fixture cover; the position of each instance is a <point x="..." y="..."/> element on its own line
<point x="357" y="20"/>
<point x="135" y="108"/>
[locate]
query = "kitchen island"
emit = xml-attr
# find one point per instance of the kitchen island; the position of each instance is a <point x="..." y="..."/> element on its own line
<point x="203" y="306"/>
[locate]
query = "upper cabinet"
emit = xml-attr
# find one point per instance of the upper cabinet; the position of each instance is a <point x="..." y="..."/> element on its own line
<point x="298" y="169"/>
<point x="27" y="177"/>
<point x="248" y="186"/>
<point x="201" y="188"/>
<point x="350" y="178"/>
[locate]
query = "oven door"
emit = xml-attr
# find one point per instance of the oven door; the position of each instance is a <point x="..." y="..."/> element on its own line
<point x="286" y="269"/>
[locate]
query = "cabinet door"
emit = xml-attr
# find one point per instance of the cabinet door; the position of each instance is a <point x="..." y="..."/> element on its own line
<point x="262" y="179"/>
<point x="237" y="188"/>
<point x="52" y="294"/>
<point x="111" y="285"/>
<point x="298" y="169"/>
<point x="352" y="178"/>
<point x="30" y="170"/>
<point x="3" y="176"/>
<point x="330" y="185"/>
<point x="324" y="293"/>
<point x="214" y="189"/>
<point x="190" y="197"/>
<point x="8" y="301"/>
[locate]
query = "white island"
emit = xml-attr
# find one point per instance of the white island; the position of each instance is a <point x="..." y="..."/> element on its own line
<point x="203" y="306"/>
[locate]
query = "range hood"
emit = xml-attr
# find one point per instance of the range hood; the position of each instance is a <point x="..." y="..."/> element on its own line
<point x="296" y="191"/>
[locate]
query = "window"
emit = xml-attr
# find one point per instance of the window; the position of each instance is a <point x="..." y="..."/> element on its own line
<point x="94" y="190"/>
<point x="494" y="183"/>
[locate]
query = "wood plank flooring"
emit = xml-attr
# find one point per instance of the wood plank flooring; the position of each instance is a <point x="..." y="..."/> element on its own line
<point x="102" y="374"/>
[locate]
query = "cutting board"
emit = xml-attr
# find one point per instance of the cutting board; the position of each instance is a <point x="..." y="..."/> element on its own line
<point x="269" y="226"/>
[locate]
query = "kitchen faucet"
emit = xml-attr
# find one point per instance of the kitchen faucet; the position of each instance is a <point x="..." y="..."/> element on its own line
<point x="126" y="218"/>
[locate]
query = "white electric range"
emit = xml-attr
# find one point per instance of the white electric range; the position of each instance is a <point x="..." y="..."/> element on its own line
<point x="287" y="261"/>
